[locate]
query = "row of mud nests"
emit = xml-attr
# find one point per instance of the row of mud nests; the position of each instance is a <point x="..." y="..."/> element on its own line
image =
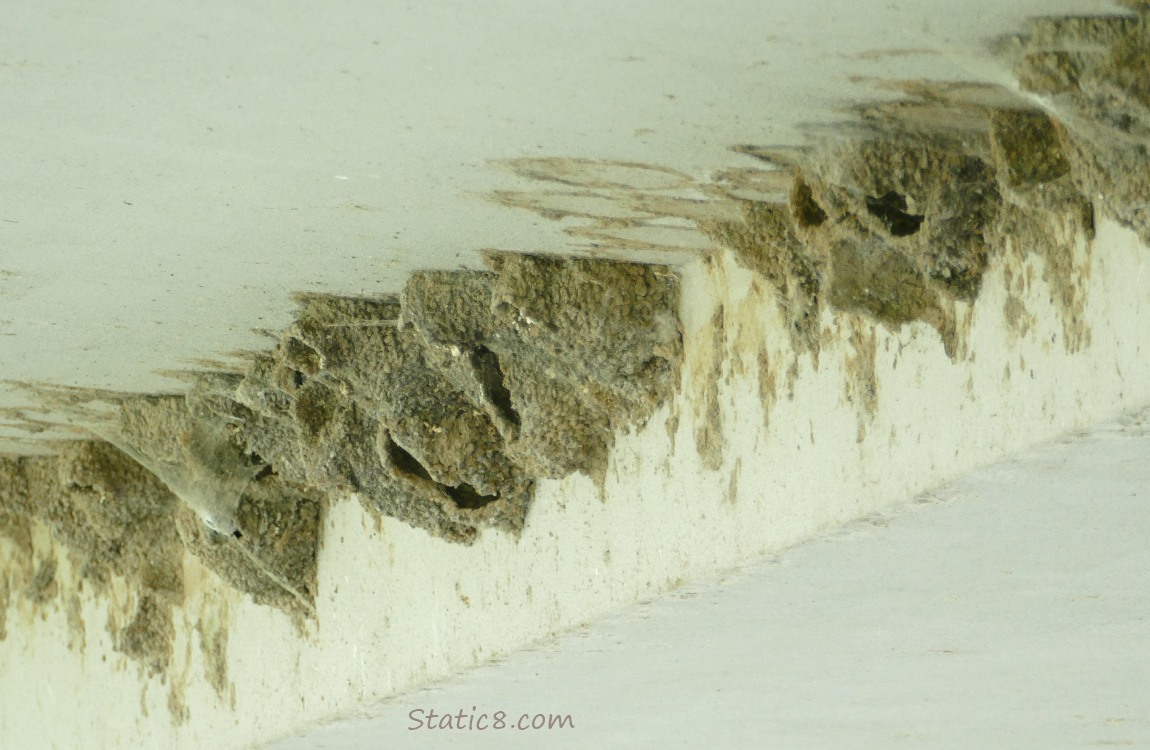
<point x="443" y="405"/>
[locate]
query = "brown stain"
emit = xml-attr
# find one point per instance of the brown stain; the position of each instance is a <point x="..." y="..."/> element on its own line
<point x="212" y="629"/>
<point x="792" y="378"/>
<point x="600" y="174"/>
<point x="5" y="603"/>
<point x="149" y="636"/>
<point x="604" y="207"/>
<point x="882" y="54"/>
<point x="692" y="209"/>
<point x="733" y="482"/>
<point x="746" y="321"/>
<point x="860" y="387"/>
<point x="178" y="711"/>
<point x="746" y="184"/>
<point x="708" y="405"/>
<point x="43" y="587"/>
<point x="768" y="385"/>
<point x="672" y="428"/>
<point x="643" y="236"/>
<point x="77" y="630"/>
<point x="1018" y="319"/>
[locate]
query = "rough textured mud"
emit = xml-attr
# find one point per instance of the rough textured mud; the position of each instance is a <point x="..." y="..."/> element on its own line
<point x="898" y="215"/>
<point x="897" y="225"/>
<point x="115" y="519"/>
<point x="766" y="240"/>
<point x="280" y="528"/>
<point x="1093" y="73"/>
<point x="900" y="220"/>
<point x="440" y="407"/>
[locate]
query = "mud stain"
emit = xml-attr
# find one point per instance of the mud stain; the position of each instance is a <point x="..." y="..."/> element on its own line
<point x="860" y="388"/>
<point x="768" y="386"/>
<point x="592" y="173"/>
<point x="212" y="629"/>
<point x="708" y="417"/>
<point x="733" y="482"/>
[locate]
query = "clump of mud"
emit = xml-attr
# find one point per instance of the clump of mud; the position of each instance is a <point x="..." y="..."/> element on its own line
<point x="899" y="220"/>
<point x="115" y="519"/>
<point x="280" y="529"/>
<point x="443" y="406"/>
<point x="1093" y="73"/>
<point x="897" y="216"/>
<point x="440" y="407"/>
<point x="896" y="225"/>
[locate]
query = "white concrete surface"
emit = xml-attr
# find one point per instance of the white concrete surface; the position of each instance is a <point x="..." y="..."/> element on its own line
<point x="1010" y="608"/>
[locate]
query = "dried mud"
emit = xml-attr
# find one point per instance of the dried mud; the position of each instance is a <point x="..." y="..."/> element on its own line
<point x="444" y="405"/>
<point x="115" y="519"/>
<point x="898" y="214"/>
<point x="440" y="407"/>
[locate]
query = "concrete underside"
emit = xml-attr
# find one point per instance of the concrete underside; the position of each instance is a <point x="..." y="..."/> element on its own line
<point x="795" y="337"/>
